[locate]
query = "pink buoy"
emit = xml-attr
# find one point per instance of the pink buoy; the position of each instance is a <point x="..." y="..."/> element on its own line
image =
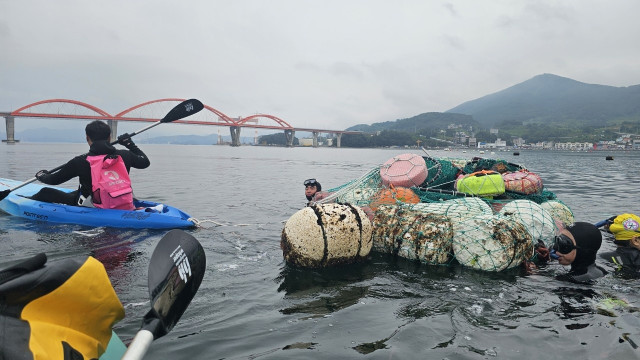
<point x="522" y="182"/>
<point x="404" y="170"/>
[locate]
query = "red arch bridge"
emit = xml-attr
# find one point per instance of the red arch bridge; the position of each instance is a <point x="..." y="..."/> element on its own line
<point x="153" y="111"/>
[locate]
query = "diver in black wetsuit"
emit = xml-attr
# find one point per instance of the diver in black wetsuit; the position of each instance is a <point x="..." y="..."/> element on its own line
<point x="577" y="245"/>
<point x="97" y="135"/>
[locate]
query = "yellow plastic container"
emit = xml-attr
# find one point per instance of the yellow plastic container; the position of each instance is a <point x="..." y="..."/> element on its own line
<point x="484" y="183"/>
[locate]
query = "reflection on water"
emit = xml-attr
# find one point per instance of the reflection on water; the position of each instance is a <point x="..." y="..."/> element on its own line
<point x="252" y="305"/>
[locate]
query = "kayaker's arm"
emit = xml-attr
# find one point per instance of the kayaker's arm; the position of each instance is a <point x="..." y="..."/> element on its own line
<point x="64" y="174"/>
<point x="137" y="157"/>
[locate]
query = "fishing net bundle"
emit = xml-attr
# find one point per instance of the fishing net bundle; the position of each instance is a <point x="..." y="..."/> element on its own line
<point x="435" y="224"/>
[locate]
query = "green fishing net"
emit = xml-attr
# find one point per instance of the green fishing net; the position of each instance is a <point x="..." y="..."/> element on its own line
<point x="437" y="225"/>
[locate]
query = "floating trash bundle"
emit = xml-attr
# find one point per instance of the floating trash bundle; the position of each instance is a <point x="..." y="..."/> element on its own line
<point x="493" y="224"/>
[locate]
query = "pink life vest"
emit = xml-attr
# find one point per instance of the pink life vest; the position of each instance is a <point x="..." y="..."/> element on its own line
<point x="110" y="183"/>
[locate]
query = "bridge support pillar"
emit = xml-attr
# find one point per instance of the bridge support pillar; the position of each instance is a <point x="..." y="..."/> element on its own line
<point x="10" y="123"/>
<point x="315" y="139"/>
<point x="235" y="135"/>
<point x="289" y="136"/>
<point x="113" y="125"/>
<point x="338" y="139"/>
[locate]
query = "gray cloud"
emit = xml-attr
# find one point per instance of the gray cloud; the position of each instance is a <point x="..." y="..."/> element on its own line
<point x="335" y="63"/>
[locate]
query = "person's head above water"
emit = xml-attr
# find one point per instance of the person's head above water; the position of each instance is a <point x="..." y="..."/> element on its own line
<point x="97" y="130"/>
<point x="626" y="230"/>
<point x="578" y="244"/>
<point x="311" y="187"/>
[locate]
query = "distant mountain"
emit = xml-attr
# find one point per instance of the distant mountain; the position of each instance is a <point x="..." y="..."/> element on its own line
<point x="552" y="98"/>
<point x="431" y="121"/>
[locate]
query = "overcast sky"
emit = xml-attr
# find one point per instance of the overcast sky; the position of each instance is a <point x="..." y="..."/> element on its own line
<point x="322" y="64"/>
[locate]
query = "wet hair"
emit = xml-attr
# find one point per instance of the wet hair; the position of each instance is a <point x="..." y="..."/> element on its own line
<point x="98" y="130"/>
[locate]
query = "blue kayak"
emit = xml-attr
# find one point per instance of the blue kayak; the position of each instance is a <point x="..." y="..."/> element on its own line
<point x="148" y="214"/>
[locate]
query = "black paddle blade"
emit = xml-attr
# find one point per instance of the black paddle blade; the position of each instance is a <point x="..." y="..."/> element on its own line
<point x="176" y="270"/>
<point x="182" y="110"/>
<point x="4" y="194"/>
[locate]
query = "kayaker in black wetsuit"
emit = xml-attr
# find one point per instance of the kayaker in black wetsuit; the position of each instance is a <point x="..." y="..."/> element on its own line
<point x="577" y="245"/>
<point x="626" y="231"/>
<point x="97" y="134"/>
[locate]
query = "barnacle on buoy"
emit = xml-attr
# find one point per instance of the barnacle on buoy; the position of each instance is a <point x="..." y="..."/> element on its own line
<point x="412" y="234"/>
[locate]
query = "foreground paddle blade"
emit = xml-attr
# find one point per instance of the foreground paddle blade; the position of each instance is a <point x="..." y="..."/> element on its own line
<point x="182" y="110"/>
<point x="175" y="272"/>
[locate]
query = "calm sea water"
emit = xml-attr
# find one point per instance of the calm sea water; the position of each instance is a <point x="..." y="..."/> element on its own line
<point x="252" y="306"/>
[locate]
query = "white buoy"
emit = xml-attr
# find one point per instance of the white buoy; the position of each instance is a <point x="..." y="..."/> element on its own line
<point x="559" y="211"/>
<point x="491" y="243"/>
<point x="325" y="235"/>
<point x="534" y="217"/>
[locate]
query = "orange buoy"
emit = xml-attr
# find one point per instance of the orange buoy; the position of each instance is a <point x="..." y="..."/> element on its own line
<point x="393" y="195"/>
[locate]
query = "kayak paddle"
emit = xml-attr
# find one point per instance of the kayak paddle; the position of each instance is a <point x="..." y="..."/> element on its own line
<point x="182" y="110"/>
<point x="176" y="270"/>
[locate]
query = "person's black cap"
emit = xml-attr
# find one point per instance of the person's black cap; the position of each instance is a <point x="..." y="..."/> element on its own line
<point x="588" y="240"/>
<point x="586" y="235"/>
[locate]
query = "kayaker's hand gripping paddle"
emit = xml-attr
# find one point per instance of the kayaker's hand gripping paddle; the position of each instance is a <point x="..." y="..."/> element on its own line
<point x="182" y="110"/>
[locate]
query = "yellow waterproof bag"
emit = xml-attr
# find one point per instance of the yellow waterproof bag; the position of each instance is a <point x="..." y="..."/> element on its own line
<point x="60" y="311"/>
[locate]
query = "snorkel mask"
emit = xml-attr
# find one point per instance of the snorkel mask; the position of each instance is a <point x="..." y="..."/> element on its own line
<point x="562" y="244"/>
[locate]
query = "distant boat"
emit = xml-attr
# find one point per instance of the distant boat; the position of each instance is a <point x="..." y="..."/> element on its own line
<point x="609" y="157"/>
<point x="516" y="153"/>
